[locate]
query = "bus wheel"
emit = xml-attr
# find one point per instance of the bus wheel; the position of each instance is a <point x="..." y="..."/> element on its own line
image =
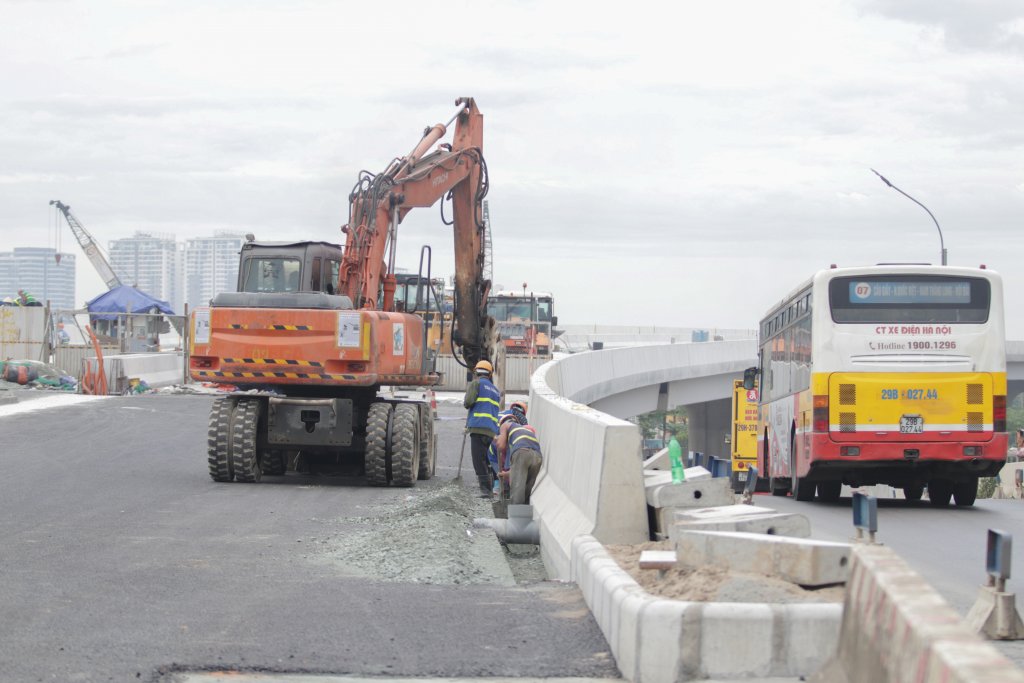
<point x="800" y="486"/>
<point x="913" y="491"/>
<point x="828" y="491"/>
<point x="964" y="492"/>
<point x="939" y="492"/>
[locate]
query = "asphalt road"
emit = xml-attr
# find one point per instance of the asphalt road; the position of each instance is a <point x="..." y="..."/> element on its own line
<point x="121" y="560"/>
<point x="946" y="546"/>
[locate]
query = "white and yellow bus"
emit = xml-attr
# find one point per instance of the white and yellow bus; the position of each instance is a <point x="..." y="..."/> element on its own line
<point x="889" y="374"/>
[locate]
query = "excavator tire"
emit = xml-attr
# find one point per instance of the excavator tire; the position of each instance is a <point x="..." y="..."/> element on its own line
<point x="428" y="447"/>
<point x="218" y="452"/>
<point x="273" y="462"/>
<point x="244" y="457"/>
<point x="375" y="457"/>
<point x="405" y="445"/>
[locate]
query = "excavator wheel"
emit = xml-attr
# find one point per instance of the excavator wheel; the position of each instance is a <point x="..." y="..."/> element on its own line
<point x="218" y="452"/>
<point x="428" y="447"/>
<point x="273" y="461"/>
<point x="244" y="457"/>
<point x="405" y="445"/>
<point x="375" y="457"/>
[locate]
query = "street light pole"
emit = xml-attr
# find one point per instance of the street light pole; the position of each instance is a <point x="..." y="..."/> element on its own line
<point x="942" y="242"/>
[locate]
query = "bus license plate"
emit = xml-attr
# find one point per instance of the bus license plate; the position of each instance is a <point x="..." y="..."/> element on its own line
<point x="741" y="476"/>
<point x="911" y="424"/>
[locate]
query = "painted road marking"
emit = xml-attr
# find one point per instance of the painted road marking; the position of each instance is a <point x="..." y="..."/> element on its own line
<point x="59" y="401"/>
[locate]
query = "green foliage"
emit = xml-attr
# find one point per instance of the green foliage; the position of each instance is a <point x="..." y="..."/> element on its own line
<point x="987" y="487"/>
<point x="670" y="423"/>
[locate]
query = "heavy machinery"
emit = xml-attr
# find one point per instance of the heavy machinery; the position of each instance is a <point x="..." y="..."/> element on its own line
<point x="89" y="246"/>
<point x="314" y="332"/>
<point x="525" y="321"/>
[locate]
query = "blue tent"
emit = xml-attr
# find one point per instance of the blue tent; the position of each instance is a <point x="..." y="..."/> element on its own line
<point x="125" y="299"/>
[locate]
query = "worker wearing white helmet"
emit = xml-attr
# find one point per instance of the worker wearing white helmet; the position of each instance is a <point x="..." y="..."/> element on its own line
<point x="483" y="400"/>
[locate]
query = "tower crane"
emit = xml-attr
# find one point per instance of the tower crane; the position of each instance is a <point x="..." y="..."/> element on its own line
<point x="89" y="246"/>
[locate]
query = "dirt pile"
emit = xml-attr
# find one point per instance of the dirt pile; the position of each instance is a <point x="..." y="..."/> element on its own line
<point x="714" y="584"/>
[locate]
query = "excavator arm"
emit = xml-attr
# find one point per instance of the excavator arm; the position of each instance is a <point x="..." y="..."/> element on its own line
<point x="380" y="202"/>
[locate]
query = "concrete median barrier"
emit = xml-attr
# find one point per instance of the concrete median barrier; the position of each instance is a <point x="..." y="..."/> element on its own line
<point x="591" y="482"/>
<point x="897" y="628"/>
<point x="659" y="640"/>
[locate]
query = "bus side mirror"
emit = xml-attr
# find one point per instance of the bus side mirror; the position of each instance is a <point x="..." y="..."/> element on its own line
<point x="749" y="378"/>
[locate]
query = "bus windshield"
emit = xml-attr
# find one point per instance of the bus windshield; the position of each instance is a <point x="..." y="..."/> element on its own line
<point x="909" y="298"/>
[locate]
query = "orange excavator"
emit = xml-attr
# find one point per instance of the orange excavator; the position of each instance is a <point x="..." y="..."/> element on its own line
<point x="314" y="330"/>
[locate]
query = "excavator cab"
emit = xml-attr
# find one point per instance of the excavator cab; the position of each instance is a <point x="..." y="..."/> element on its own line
<point x="289" y="267"/>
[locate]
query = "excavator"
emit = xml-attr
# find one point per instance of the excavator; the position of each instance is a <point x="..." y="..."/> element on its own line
<point x="314" y="330"/>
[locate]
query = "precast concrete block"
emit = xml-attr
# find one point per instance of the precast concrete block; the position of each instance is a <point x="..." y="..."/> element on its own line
<point x="808" y="639"/>
<point x="658" y="461"/>
<point x="747" y="518"/>
<point x="627" y="647"/>
<point x="660" y="633"/>
<point x="691" y="493"/>
<point x="654" y="477"/>
<point x="801" y="561"/>
<point x="736" y="640"/>
<point x="995" y="616"/>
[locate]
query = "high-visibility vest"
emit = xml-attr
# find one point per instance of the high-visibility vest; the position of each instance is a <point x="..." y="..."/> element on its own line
<point x="522" y="437"/>
<point x="484" y="413"/>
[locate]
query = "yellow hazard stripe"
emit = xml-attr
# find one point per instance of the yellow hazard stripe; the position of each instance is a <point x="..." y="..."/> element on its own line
<point x="292" y="328"/>
<point x="274" y="361"/>
<point x="287" y="375"/>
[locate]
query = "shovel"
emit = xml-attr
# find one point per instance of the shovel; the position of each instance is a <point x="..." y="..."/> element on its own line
<point x="462" y="454"/>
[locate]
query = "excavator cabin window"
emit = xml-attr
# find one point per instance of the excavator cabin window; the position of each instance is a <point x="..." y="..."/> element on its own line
<point x="272" y="275"/>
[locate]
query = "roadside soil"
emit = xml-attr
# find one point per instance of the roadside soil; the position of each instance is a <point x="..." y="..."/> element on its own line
<point x="714" y="584"/>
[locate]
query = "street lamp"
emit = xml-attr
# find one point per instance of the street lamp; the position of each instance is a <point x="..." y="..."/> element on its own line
<point x="942" y="243"/>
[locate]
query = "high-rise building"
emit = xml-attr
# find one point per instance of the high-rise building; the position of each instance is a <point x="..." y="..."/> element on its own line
<point x="152" y="263"/>
<point x="40" y="272"/>
<point x="211" y="266"/>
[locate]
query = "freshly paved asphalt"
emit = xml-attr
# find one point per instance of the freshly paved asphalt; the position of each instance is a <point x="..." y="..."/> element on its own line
<point x="121" y="560"/>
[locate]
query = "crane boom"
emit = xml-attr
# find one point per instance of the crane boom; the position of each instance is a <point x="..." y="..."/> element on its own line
<point x="89" y="246"/>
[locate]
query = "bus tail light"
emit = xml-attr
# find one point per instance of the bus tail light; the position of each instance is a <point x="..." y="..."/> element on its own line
<point x="820" y="415"/>
<point x="972" y="451"/>
<point x="849" y="450"/>
<point x="999" y="413"/>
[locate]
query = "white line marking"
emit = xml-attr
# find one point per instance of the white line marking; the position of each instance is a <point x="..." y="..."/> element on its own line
<point x="33" y="405"/>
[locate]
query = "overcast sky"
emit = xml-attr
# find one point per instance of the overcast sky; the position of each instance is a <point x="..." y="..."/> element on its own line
<point x="649" y="167"/>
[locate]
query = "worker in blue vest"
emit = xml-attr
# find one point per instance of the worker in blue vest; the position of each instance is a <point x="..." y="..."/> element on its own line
<point x="525" y="460"/>
<point x="483" y="400"/>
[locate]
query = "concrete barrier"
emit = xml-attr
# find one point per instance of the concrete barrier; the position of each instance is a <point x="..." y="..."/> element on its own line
<point x="591" y="482"/>
<point x="797" y="560"/>
<point x="897" y="628"/>
<point x="156" y="369"/>
<point x="743" y="518"/>
<point x="658" y="640"/>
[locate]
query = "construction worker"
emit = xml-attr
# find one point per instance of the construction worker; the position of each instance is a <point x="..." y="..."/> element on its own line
<point x="26" y="299"/>
<point x="483" y="400"/>
<point x="525" y="461"/>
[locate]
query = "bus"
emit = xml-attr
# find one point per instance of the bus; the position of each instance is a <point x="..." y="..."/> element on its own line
<point x="888" y="374"/>
<point x="525" y="320"/>
<point x="743" y="440"/>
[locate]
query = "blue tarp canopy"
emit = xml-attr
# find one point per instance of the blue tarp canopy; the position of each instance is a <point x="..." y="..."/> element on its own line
<point x="125" y="299"/>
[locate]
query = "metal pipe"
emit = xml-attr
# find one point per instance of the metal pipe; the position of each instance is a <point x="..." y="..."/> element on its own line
<point x="520" y="527"/>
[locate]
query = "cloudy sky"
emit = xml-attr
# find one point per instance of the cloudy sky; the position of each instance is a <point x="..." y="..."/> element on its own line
<point x="682" y="168"/>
